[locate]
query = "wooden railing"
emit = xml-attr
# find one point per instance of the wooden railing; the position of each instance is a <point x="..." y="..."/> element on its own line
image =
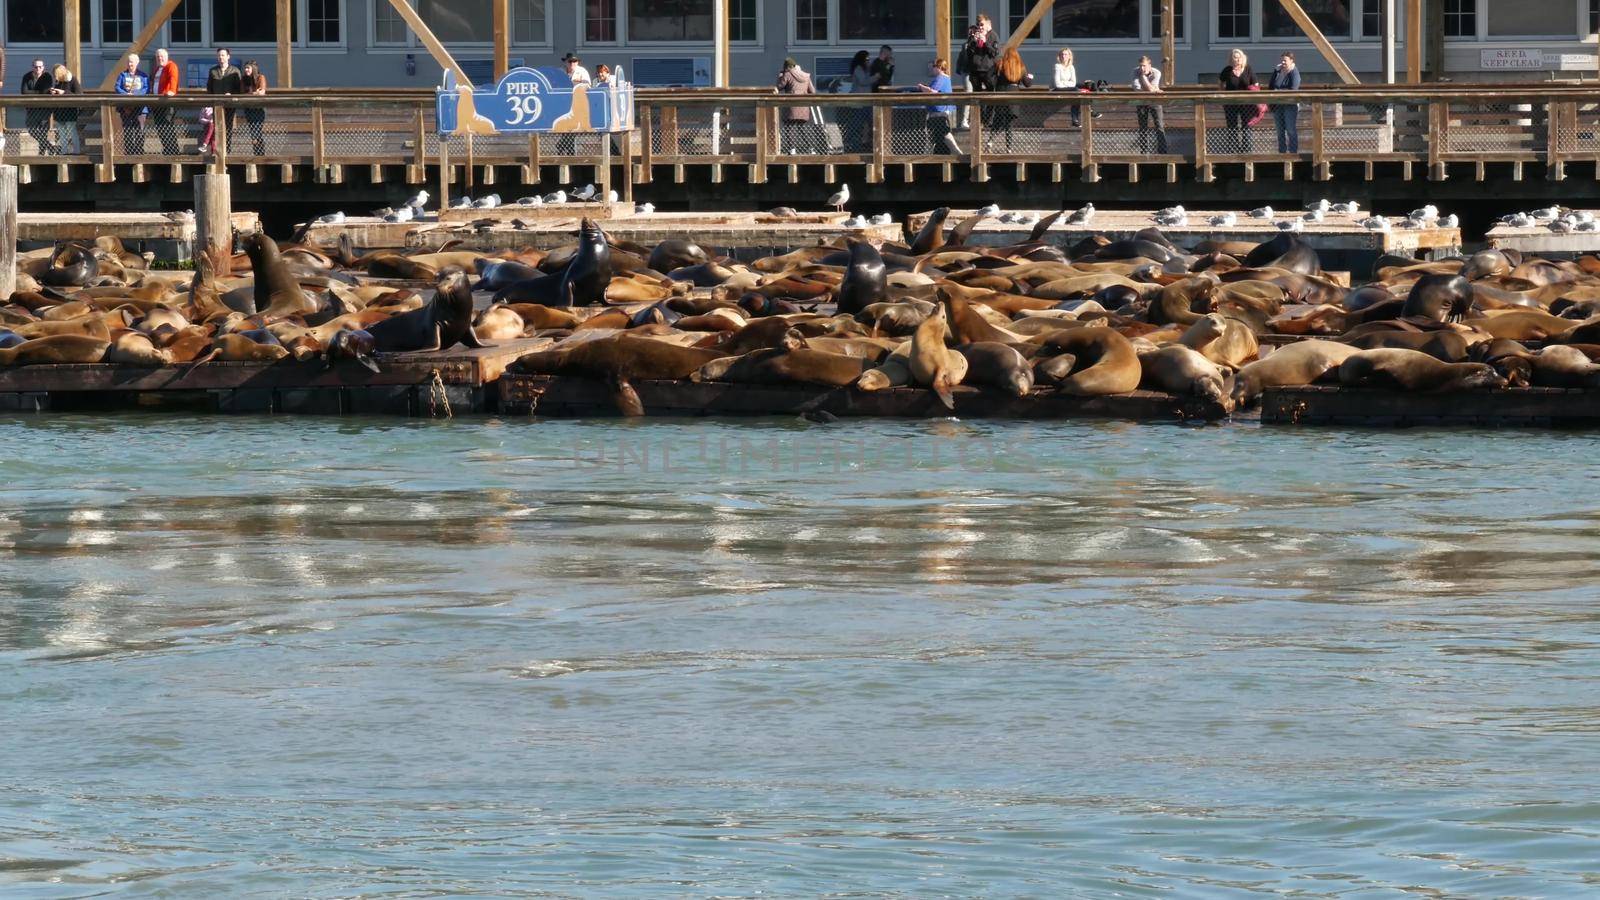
<point x="317" y="134"/>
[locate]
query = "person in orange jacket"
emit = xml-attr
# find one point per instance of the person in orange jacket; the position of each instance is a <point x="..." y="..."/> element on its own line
<point x="164" y="83"/>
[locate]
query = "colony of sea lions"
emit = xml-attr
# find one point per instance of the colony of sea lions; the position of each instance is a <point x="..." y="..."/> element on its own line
<point x="1103" y="317"/>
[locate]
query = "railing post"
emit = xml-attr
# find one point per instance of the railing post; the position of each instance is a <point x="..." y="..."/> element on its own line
<point x="669" y="132"/>
<point x="646" y="146"/>
<point x="108" y="144"/>
<point x="1438" y="122"/>
<point x="763" y="138"/>
<point x="213" y="217"/>
<point x="1555" y="168"/>
<point x="975" y="135"/>
<point x="627" y="165"/>
<point x="882" y="122"/>
<point x="1320" y="168"/>
<point x="421" y="154"/>
<point x="8" y="226"/>
<point x="223" y="137"/>
<point x="1202" y="153"/>
<point x="1091" y="171"/>
<point x="319" y="146"/>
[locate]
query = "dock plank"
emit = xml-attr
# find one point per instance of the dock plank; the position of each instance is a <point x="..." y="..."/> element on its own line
<point x="1338" y="405"/>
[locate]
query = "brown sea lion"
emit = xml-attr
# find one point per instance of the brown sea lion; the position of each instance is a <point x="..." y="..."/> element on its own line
<point x="354" y="344"/>
<point x="781" y="365"/>
<point x="1295" y="365"/>
<point x="498" y="323"/>
<point x="56" y="349"/>
<point x="276" y="291"/>
<point x="997" y="365"/>
<point x="1411" y="370"/>
<point x="134" y="348"/>
<point x="1224" y="341"/>
<point x="933" y="365"/>
<point x="443" y="323"/>
<point x="1440" y="298"/>
<point x="1445" y="346"/>
<point x="620" y="356"/>
<point x="1175" y="303"/>
<point x="1104" y="362"/>
<point x="1178" y="370"/>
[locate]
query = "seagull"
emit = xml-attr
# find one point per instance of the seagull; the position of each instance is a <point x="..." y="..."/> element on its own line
<point x="1562" y="226"/>
<point x="1427" y="213"/>
<point x="332" y="218"/>
<point x="489" y="202"/>
<point x="1226" y="220"/>
<point x="1590" y="225"/>
<point x="1172" y="211"/>
<point x="1176" y="219"/>
<point x="855" y="222"/>
<point x="1292" y="225"/>
<point x="991" y="211"/>
<point x="1031" y="219"/>
<point x="419" y="201"/>
<point x="611" y="196"/>
<point x="1082" y="216"/>
<point x="1315" y="215"/>
<point x="1585" y="216"/>
<point x="462" y="203"/>
<point x="557" y="197"/>
<point x="1351" y="207"/>
<point x="1549" y="212"/>
<point x="1450" y="221"/>
<point x="1413" y="222"/>
<point x="1375" y="223"/>
<point x="403" y="214"/>
<point x="1264" y="212"/>
<point x="1009" y="218"/>
<point x="644" y="209"/>
<point x="584" y="193"/>
<point x="838" y="201"/>
<point x="183" y="216"/>
<point x="1321" y="206"/>
<point x="531" y="201"/>
<point x="1518" y="220"/>
<point x="883" y="219"/>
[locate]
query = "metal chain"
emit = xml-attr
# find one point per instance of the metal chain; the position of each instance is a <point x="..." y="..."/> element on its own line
<point x="436" y="390"/>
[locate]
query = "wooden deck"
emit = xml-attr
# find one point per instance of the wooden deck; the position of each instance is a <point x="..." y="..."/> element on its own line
<point x="1541" y="241"/>
<point x="1517" y="407"/>
<point x="132" y="228"/>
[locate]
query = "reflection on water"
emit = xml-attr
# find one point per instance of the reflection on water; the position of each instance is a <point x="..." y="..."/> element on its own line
<point x="365" y="656"/>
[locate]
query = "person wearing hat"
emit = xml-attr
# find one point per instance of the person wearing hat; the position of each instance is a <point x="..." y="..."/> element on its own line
<point x="797" y="124"/>
<point x="576" y="72"/>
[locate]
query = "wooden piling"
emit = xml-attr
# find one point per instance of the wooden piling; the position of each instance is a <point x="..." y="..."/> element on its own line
<point x="213" y="217"/>
<point x="8" y="228"/>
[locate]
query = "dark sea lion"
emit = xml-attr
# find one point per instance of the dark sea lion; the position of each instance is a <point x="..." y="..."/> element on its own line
<point x="581" y="282"/>
<point x="675" y="254"/>
<point x="1486" y="263"/>
<point x="654" y="314"/>
<point x="781" y="365"/>
<point x="443" y="322"/>
<point x="1104" y="362"/>
<point x="72" y="266"/>
<point x="762" y="334"/>
<point x="276" y="292"/>
<point x="1445" y="346"/>
<point x="997" y="365"/>
<point x="494" y="274"/>
<point x="1365" y="296"/>
<point x="761" y="305"/>
<point x="1134" y="249"/>
<point x="1285" y="252"/>
<point x="706" y="274"/>
<point x="355" y="344"/>
<point x="1411" y="370"/>
<point x="931" y="236"/>
<point x="865" y="279"/>
<point x="1441" y="298"/>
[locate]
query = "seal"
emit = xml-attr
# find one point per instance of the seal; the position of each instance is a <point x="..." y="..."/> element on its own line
<point x="134" y="348"/>
<point x="494" y="274"/>
<point x="1284" y="252"/>
<point x="618" y="357"/>
<point x="352" y="343"/>
<point x="1439" y="298"/>
<point x="675" y="254"/>
<point x="932" y="364"/>
<point x="1298" y="364"/>
<point x="865" y="278"/>
<point x="1174" y="303"/>
<point x="931" y="236"/>
<point x="781" y="365"/>
<point x="1098" y="360"/>
<point x="1445" y="346"/>
<point x="498" y="323"/>
<point x="276" y="292"/>
<point x="56" y="349"/>
<point x="444" y="322"/>
<point x="73" y="266"/>
<point x="1178" y="370"/>
<point x="582" y="282"/>
<point x="997" y="365"/>
<point x="9" y="339"/>
<point x="1412" y="370"/>
<point x="1224" y="341"/>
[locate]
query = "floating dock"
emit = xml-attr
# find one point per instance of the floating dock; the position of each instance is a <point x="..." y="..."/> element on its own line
<point x="1539" y="240"/>
<point x="1515" y="407"/>
<point x="168" y="235"/>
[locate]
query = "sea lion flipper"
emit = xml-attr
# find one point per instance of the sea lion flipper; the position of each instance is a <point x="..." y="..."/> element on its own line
<point x="627" y="399"/>
<point x="942" y="387"/>
<point x="470" y="339"/>
<point x="370" y="363"/>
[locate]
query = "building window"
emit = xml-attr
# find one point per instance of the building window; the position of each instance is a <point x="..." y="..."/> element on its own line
<point x="324" y="21"/>
<point x="669" y="20"/>
<point x="1079" y="19"/>
<point x="528" y="21"/>
<point x="1461" y="18"/>
<point x="1594" y="16"/>
<point x="1372" y="19"/>
<point x="882" y="20"/>
<point x="387" y="26"/>
<point x="1177" y="20"/>
<point x="458" y="21"/>
<point x="39" y="22"/>
<point x="1233" y="19"/>
<point x="243" y="22"/>
<point x="1015" y="13"/>
<point x="185" y="25"/>
<point x="116" y="22"/>
<point x="600" y="21"/>
<point x="742" y="20"/>
<point x="1530" y="20"/>
<point x="811" y="20"/>
<point x="1331" y="16"/>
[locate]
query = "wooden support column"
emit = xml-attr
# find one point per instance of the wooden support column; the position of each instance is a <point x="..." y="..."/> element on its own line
<point x="72" y="41"/>
<point x="1318" y="39"/>
<point x="1028" y="24"/>
<point x="425" y="35"/>
<point x="719" y="39"/>
<point x="285" y="41"/>
<point x="502" y="38"/>
<point x="1433" y="28"/>
<point x="213" y="216"/>
<point x="158" y="19"/>
<point x="1413" y="41"/>
<point x="941" y="29"/>
<point x="8" y="231"/>
<point x="1169" y="41"/>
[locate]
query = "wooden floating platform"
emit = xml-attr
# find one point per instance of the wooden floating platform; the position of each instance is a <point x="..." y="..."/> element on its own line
<point x="741" y="235"/>
<point x="1336" y="405"/>
<point x="599" y="210"/>
<point x="59" y="227"/>
<point x="1541" y="241"/>
<point x="565" y="396"/>
<point x="409" y="384"/>
<point x="1337" y="232"/>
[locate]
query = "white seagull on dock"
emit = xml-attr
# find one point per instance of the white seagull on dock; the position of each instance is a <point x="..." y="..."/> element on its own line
<point x="1350" y="207"/>
<point x="883" y="219"/>
<point x="1226" y="220"/>
<point x="644" y="209"/>
<point x="1321" y="206"/>
<point x="855" y="222"/>
<point x="557" y="197"/>
<point x="1375" y="223"/>
<point x="838" y="200"/>
<point x="419" y="201"/>
<point x="1292" y="225"/>
<point x="991" y="211"/>
<point x="531" y="201"/>
<point x="462" y="203"/>
<point x="1315" y="215"/>
<point x="1450" y="221"/>
<point x="584" y="193"/>
<point x="489" y="202"/>
<point x="332" y="218"/>
<point x="1082" y="216"/>
<point x="1264" y="212"/>
<point x="1427" y="213"/>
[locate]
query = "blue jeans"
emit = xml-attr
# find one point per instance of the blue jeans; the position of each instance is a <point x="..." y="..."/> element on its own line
<point x="1288" y="119"/>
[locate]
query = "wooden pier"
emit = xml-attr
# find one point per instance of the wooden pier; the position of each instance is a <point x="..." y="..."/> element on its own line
<point x="1515" y="407"/>
<point x="169" y="235"/>
<point x="1539" y="240"/>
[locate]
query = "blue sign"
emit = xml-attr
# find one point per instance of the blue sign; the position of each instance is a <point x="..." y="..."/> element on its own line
<point x="534" y="100"/>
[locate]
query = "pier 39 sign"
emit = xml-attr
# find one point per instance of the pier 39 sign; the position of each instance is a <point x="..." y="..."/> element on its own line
<point x="534" y="100"/>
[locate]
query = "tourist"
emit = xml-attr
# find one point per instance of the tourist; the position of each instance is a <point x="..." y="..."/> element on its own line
<point x="1286" y="77"/>
<point x="1010" y="75"/>
<point x="164" y="83"/>
<point x="255" y="84"/>
<point x="62" y="83"/>
<point x="133" y="82"/>
<point x="1238" y="76"/>
<point x="939" y="117"/>
<point x="1066" y="78"/>
<point x="1147" y="78"/>
<point x="225" y="78"/>
<point x="38" y="81"/>
<point x="797" y="133"/>
<point x="208" y="131"/>
<point x="861" y="80"/>
<point x="883" y="68"/>
<point x="983" y="54"/>
<point x="575" y="70"/>
<point x="602" y="75"/>
<point x="858" y="119"/>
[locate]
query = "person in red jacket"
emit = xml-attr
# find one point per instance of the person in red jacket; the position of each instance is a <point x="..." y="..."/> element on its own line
<point x="164" y="83"/>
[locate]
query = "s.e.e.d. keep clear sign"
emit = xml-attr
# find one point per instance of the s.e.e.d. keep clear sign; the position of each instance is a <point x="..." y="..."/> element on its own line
<point x="534" y="100"/>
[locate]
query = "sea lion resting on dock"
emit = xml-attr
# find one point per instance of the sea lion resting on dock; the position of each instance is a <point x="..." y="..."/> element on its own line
<point x="1412" y="370"/>
<point x="440" y="325"/>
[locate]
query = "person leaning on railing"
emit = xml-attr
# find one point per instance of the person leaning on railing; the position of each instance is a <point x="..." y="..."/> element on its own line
<point x="1238" y="76"/>
<point x="38" y="81"/>
<point x="797" y="130"/>
<point x="1286" y="115"/>
<point x="63" y="82"/>
<point x="164" y="83"/>
<point x="939" y="117"/>
<point x="1065" y="78"/>
<point x="132" y="82"/>
<point x="1147" y="78"/>
<point x="255" y="84"/>
<point x="225" y="78"/>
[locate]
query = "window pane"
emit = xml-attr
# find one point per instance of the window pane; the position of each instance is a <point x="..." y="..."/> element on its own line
<point x="669" y="20"/>
<point x="184" y="26"/>
<point x="245" y="22"/>
<point x="1233" y="19"/>
<point x="742" y="20"/>
<point x="39" y="22"/>
<point x="1076" y="19"/>
<point x="882" y="20"/>
<point x="1332" y="16"/>
<point x="1017" y="11"/>
<point x="1517" y="19"/>
<point x="388" y="27"/>
<point x="116" y="21"/>
<point x="324" y="21"/>
<point x="600" y="20"/>
<point x="811" y="20"/>
<point x="1460" y="18"/>
<point x="529" y="15"/>
<point x="1372" y="19"/>
<point x="1177" y="19"/>
<point x="459" y="21"/>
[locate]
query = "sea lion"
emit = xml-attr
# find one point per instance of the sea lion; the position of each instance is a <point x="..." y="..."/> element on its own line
<point x="1297" y="364"/>
<point x="444" y="322"/>
<point x="931" y="236"/>
<point x="1174" y="303"/>
<point x="353" y="343"/>
<point x="864" y="281"/>
<point x="617" y="360"/>
<point x="1561" y="366"/>
<point x="932" y="364"/>
<point x="1224" y="341"/>
<point x="1103" y="361"/>
<point x="9" y="339"/>
<point x="997" y="365"/>
<point x="781" y="365"/>
<point x="276" y="292"/>
<point x="494" y="274"/>
<point x="1440" y="298"/>
<point x="1412" y="370"/>
<point x="498" y="323"/>
<point x="72" y="266"/>
<point x="56" y="349"/>
<point x="1486" y="263"/>
<point x="1178" y="370"/>
<point x="1445" y="346"/>
<point x="1284" y="252"/>
<point x="675" y="254"/>
<point x="581" y="282"/>
<point x="134" y="348"/>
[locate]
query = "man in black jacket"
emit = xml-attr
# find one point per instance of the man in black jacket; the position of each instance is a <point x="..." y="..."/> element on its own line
<point x="38" y="81"/>
<point x="983" y="52"/>
<point x="225" y="78"/>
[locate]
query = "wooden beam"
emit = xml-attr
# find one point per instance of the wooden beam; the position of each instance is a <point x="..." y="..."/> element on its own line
<point x="435" y="48"/>
<point x="72" y="43"/>
<point x="1298" y="13"/>
<point x="162" y="14"/>
<point x="1169" y="41"/>
<point x="720" y="39"/>
<point x="1434" y="29"/>
<point x="1413" y="41"/>
<point x="502" y="38"/>
<point x="941" y="29"/>
<point x="1028" y="24"/>
<point x="285" y="40"/>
